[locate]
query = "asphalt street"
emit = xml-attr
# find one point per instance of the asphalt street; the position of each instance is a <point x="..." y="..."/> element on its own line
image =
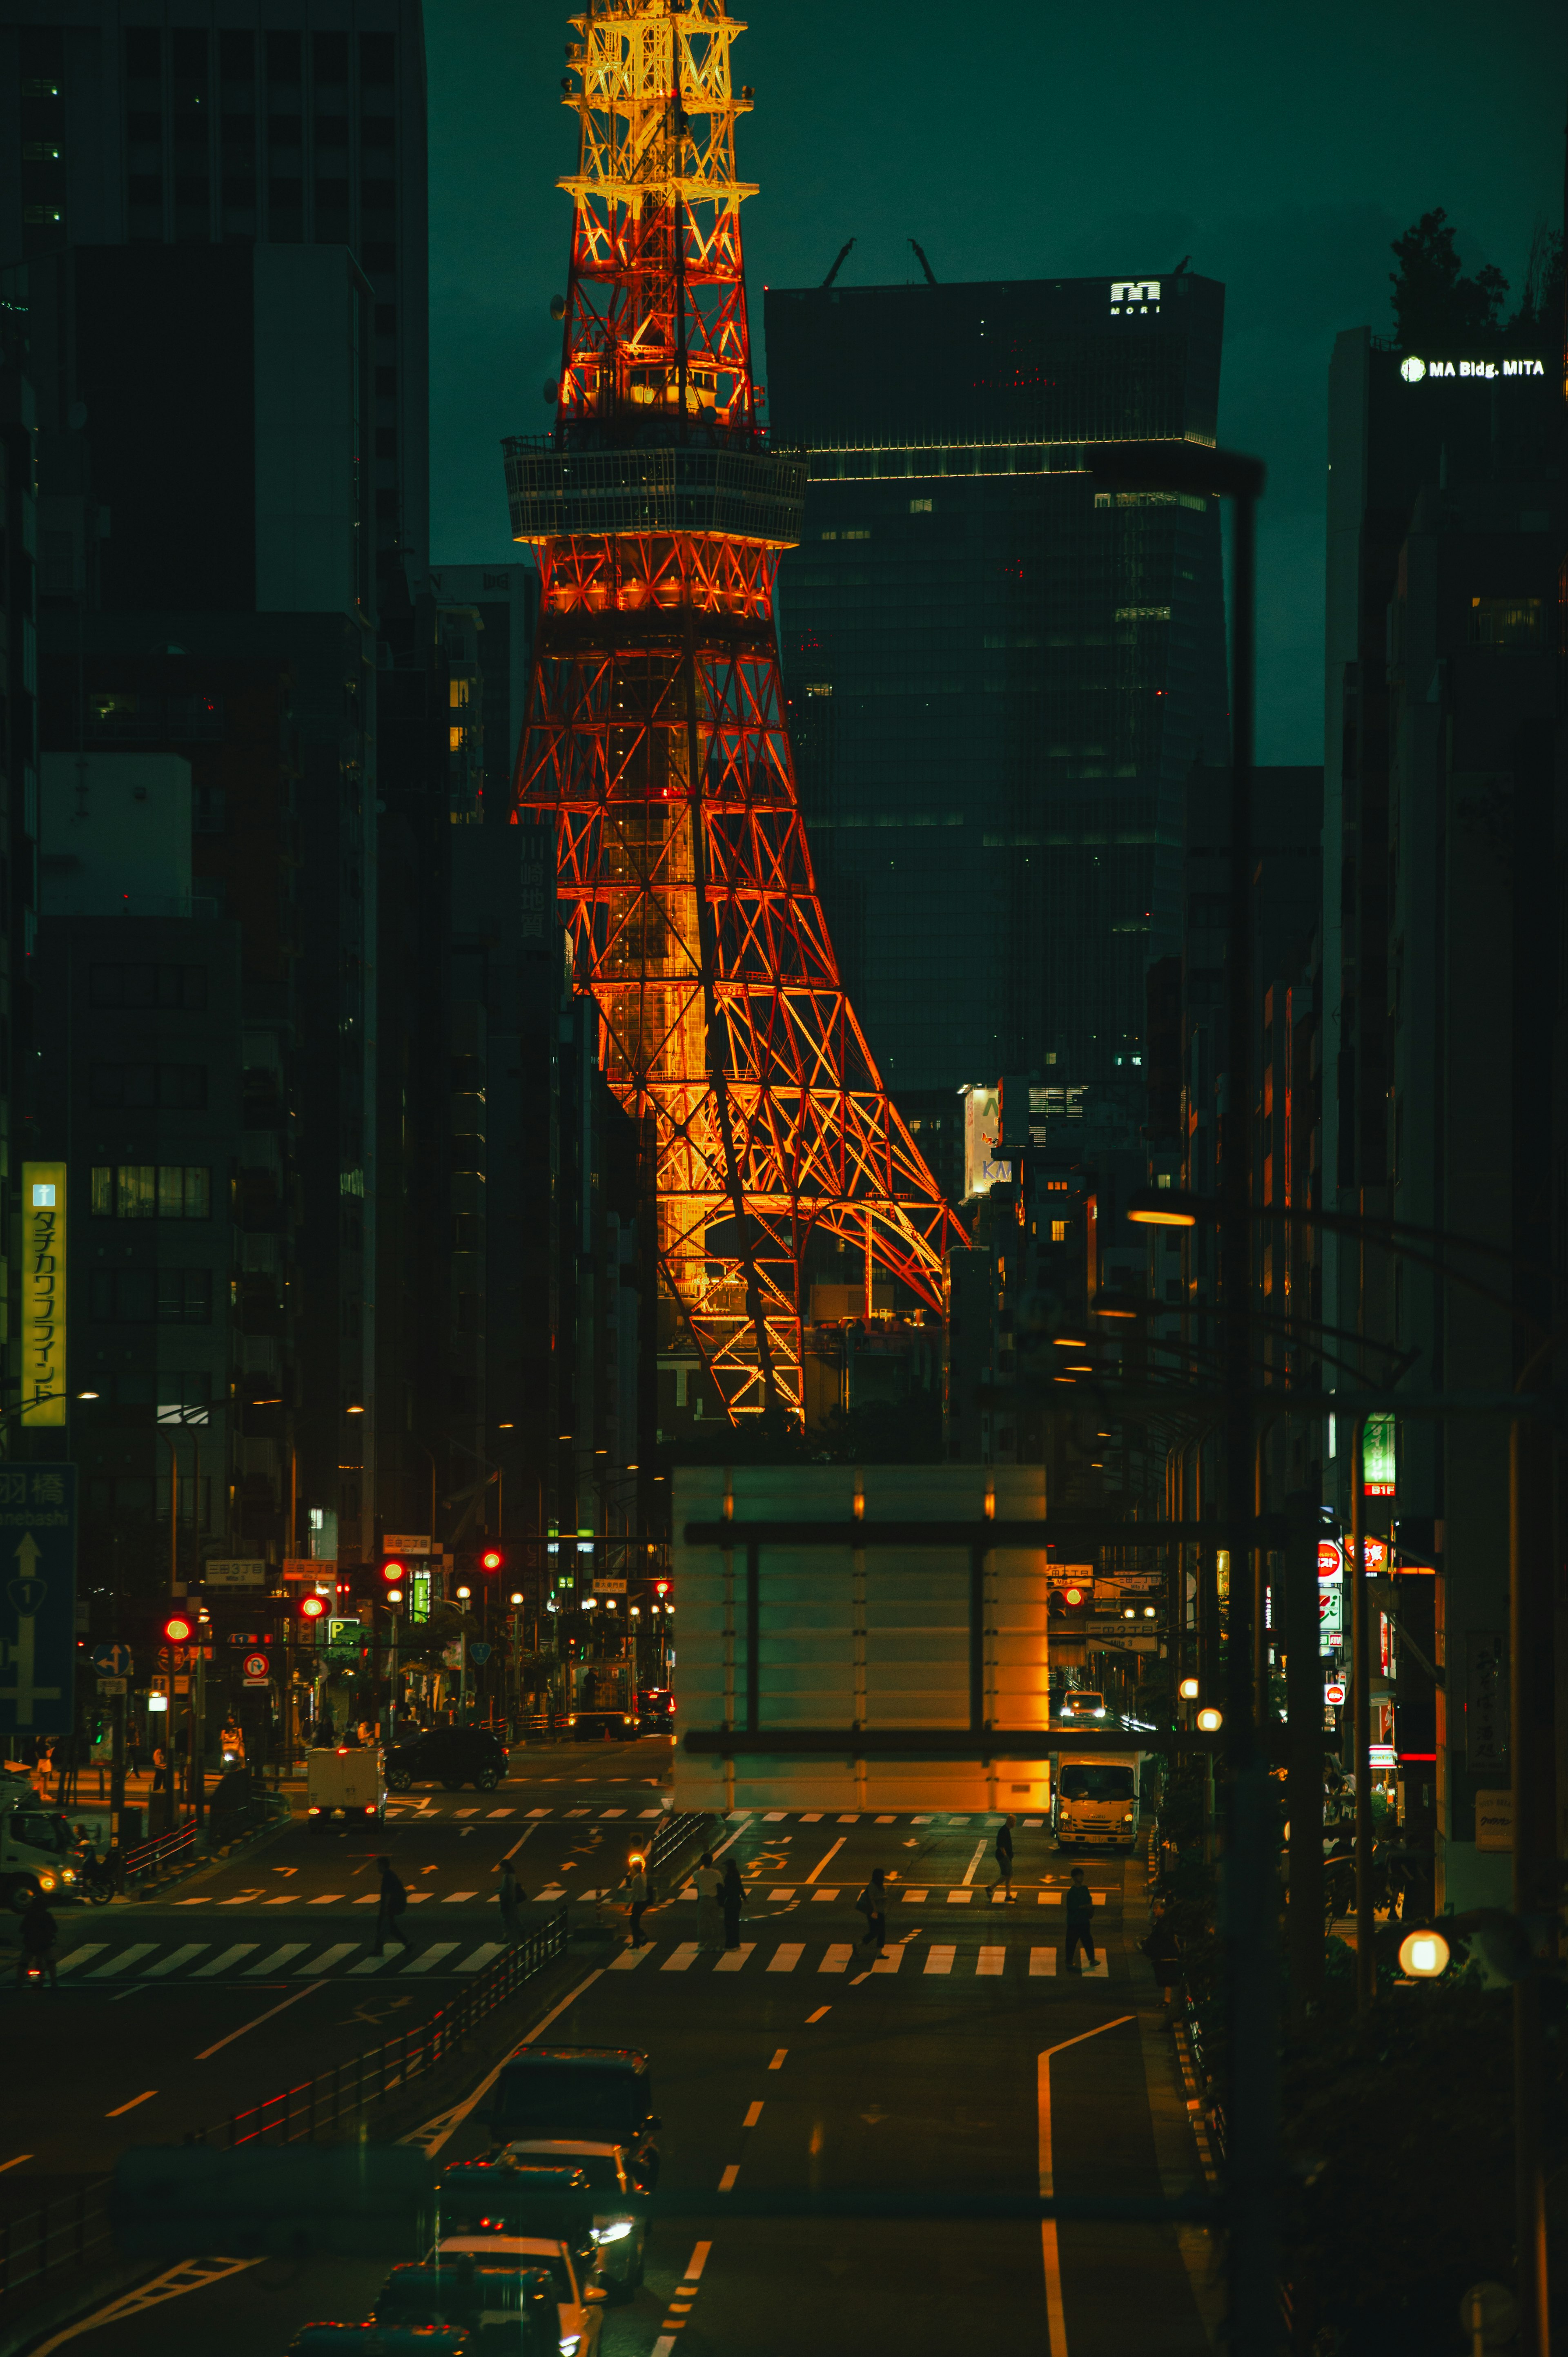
<point x="796" y="2060"/>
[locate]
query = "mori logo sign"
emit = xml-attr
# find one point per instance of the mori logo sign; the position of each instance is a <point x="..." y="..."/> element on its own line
<point x="1134" y="297"/>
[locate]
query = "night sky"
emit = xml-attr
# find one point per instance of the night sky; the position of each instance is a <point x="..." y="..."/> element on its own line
<point x="1047" y="143"/>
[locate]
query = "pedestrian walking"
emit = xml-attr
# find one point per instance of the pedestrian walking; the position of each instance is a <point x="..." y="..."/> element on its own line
<point x="1163" y="1949"/>
<point x="710" y="1883"/>
<point x="1079" y="1921"/>
<point x="732" y="1896"/>
<point x="639" y="1891"/>
<point x="1004" y="1860"/>
<point x="390" y="1912"/>
<point x="513" y="1896"/>
<point x="872" y="1905"/>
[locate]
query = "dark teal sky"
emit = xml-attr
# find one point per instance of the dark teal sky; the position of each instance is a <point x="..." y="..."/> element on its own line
<point x="1282" y="150"/>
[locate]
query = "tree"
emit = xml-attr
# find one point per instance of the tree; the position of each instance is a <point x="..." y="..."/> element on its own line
<point x="1433" y="304"/>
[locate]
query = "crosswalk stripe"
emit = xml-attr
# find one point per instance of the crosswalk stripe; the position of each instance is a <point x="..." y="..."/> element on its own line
<point x="126" y="1957"/>
<point x="230" y="1956"/>
<point x="786" y="1958"/>
<point x="481" y="1957"/>
<point x="819" y="1893"/>
<point x="327" y="1959"/>
<point x="368" y="1898"/>
<point x="680" y="1959"/>
<point x="430" y="1957"/>
<point x="328" y="1898"/>
<point x="837" y="1958"/>
<point x="612" y="1812"/>
<point x="811" y="1817"/>
<point x="1042" y="1962"/>
<point x="993" y="1962"/>
<point x="500" y="1813"/>
<point x="631" y="1957"/>
<point x="175" y="1957"/>
<point x="650" y="1813"/>
<point x="369" y="1965"/>
<point x="781" y="1894"/>
<point x="889" y="1961"/>
<point x="912" y="1897"/>
<point x="465" y="1812"/>
<point x="775" y="1816"/>
<point x="80" y="1955"/>
<point x="939" y="1960"/>
<point x="733" y="1959"/>
<point x="455" y="1898"/>
<point x="960" y="1897"/>
<point x="539" y="1813"/>
<point x="279" y="1957"/>
<point x="1050" y="1899"/>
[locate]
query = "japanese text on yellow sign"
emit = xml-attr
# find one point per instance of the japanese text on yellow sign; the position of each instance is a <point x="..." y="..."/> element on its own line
<point x="43" y="1292"/>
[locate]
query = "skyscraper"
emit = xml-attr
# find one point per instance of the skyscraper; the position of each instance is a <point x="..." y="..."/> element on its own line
<point x="998" y="675"/>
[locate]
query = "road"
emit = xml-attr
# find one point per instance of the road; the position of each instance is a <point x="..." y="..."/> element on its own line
<point x="790" y="2063"/>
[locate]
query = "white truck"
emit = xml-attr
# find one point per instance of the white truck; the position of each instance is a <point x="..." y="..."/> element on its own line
<point x="346" y="1781"/>
<point x="1094" y="1798"/>
<point x="36" y="1849"/>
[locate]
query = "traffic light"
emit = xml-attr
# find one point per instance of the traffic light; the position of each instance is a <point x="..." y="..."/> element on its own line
<point x="661" y="1588"/>
<point x="492" y="1559"/>
<point x="1072" y="1599"/>
<point x="393" y="1570"/>
<point x="180" y="1629"/>
<point x="311" y="1608"/>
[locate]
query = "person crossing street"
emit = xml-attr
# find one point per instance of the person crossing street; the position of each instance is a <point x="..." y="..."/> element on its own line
<point x="1079" y="1921"/>
<point x="1004" y="1883"/>
<point x="390" y="1912"/>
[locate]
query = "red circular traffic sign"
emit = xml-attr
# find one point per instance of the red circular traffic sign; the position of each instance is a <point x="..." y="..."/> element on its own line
<point x="256" y="1665"/>
<point x="1334" y="1695"/>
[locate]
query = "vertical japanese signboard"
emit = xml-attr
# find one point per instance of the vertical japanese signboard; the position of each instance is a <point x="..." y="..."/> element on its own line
<point x="1378" y="1447"/>
<point x="38" y="1600"/>
<point x="43" y="1292"/>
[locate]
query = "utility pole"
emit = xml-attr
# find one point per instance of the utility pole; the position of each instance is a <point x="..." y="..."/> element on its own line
<point x="1532" y="1750"/>
<point x="1361" y="1716"/>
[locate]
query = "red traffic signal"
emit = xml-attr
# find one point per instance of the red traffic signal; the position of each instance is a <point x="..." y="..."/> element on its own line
<point x="311" y="1608"/>
<point x="393" y="1571"/>
<point x="1072" y="1601"/>
<point x="492" y="1559"/>
<point x="180" y="1629"/>
<point x="661" y="1588"/>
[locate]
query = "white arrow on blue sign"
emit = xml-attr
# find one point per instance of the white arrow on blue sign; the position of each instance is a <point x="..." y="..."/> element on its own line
<point x="113" y="1660"/>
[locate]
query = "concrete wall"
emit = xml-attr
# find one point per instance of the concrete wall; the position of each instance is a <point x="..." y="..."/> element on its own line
<point x="878" y="1638"/>
<point x="308" y="432"/>
<point x="114" y="835"/>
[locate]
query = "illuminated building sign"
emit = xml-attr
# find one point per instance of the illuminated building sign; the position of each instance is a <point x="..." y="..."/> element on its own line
<point x="43" y="1292"/>
<point x="1135" y="298"/>
<point x="1378" y="1457"/>
<point x="1417" y="372"/>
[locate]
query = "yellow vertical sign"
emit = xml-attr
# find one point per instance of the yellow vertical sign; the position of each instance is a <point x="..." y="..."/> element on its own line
<point x="43" y="1292"/>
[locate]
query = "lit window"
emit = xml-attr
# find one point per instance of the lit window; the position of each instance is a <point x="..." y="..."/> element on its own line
<point x="460" y="691"/>
<point x="1507" y="622"/>
<point x="919" y="507"/>
<point x="455" y="737"/>
<point x="1058" y="1231"/>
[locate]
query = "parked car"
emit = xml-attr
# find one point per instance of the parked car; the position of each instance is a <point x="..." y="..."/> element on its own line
<point x="602" y="1725"/>
<point x="451" y="1756"/>
<point x="615" y="2208"/>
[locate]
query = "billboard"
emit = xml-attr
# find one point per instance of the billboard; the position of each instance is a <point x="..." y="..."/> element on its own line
<point x="43" y="1292"/>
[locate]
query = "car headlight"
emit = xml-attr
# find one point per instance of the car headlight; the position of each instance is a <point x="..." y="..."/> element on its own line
<point x="68" y="1874"/>
<point x="1129" y="1817"/>
<point x="615" y="2233"/>
<point x="569" y="2343"/>
<point x="45" y="1881"/>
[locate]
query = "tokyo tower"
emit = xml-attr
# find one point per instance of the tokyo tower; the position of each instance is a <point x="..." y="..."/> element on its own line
<point x="656" y="737"/>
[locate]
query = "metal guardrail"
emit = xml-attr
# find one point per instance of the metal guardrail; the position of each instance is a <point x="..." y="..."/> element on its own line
<point x="164" y="1850"/>
<point x="74" y="2228"/>
<point x="674" y="1833"/>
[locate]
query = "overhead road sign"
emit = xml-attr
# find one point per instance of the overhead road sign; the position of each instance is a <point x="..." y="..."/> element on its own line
<point x="38" y="1600"/>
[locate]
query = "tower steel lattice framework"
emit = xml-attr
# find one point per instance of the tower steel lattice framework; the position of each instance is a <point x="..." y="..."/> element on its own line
<point x="656" y="734"/>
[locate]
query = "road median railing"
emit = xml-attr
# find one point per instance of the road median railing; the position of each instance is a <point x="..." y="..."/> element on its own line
<point x="73" y="2230"/>
<point x="170" y="1853"/>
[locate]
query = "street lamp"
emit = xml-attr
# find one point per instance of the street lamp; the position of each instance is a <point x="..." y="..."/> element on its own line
<point x="1423" y="1955"/>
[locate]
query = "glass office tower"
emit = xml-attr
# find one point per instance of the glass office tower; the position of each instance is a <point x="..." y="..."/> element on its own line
<point x="999" y="673"/>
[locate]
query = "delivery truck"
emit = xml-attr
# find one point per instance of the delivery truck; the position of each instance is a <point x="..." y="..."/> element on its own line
<point x="1094" y="1798"/>
<point x="346" y="1780"/>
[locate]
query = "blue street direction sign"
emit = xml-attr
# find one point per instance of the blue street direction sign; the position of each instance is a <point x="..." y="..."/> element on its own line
<point x="477" y="1650"/>
<point x="38" y="1600"/>
<point x="112" y="1661"/>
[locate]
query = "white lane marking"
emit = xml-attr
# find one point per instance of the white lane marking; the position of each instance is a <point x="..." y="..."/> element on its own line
<point x="890" y="1962"/>
<point x="175" y="1957"/>
<point x="650" y="1813"/>
<point x="741" y="1828"/>
<point x="821" y="1893"/>
<point x="992" y="1963"/>
<point x="778" y="2062"/>
<point x="370" y="1899"/>
<point x="328" y="1898"/>
<point x="699" y="2261"/>
<point x="829" y="1859"/>
<point x="539" y="1813"/>
<point x="190" y="2275"/>
<point x="438" y="2131"/>
<point x="576" y="1812"/>
<point x="1042" y="1961"/>
<point x="230" y="1956"/>
<point x="369" y="1963"/>
<point x="279" y="1957"/>
<point x="1056" y="2318"/>
<point x="15" y="2162"/>
<point x="453" y="1897"/>
<point x="939" y="1960"/>
<point x="1032" y="1822"/>
<point x="481" y="1957"/>
<point x="629" y="1958"/>
<point x="327" y="1959"/>
<point x="555" y="1890"/>
<point x="1050" y="1898"/>
<point x="733" y="1959"/>
<point x="726" y="2182"/>
<point x="774" y="1816"/>
<point x="681" y="1959"/>
<point x="245" y="2028"/>
<point x="121" y="2109"/>
<point x="126" y="1957"/>
<point x="612" y="1812"/>
<point x="837" y="1958"/>
<point x="973" y="1863"/>
<point x="885" y="1821"/>
<point x="465" y="1812"/>
<point x="500" y="1813"/>
<point x="752" y="2114"/>
<point x="431" y="1956"/>
<point x="960" y="1897"/>
<point x="811" y="1817"/>
<point x="521" y="1839"/>
<point x="80" y="1955"/>
<point x="911" y="1897"/>
<point x="850" y="1820"/>
<point x="784" y="1958"/>
<point x="781" y="1894"/>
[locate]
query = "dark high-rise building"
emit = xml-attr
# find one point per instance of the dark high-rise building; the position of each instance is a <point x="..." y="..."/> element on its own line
<point x="999" y="674"/>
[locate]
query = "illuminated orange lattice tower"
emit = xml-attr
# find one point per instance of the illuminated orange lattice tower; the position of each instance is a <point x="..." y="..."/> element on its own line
<point x="656" y="735"/>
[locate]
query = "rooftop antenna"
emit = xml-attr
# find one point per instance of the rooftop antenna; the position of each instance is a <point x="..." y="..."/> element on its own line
<point x="842" y="258"/>
<point x="921" y="258"/>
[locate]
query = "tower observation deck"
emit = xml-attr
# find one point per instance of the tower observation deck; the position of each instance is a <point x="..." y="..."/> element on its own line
<point x="656" y="742"/>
